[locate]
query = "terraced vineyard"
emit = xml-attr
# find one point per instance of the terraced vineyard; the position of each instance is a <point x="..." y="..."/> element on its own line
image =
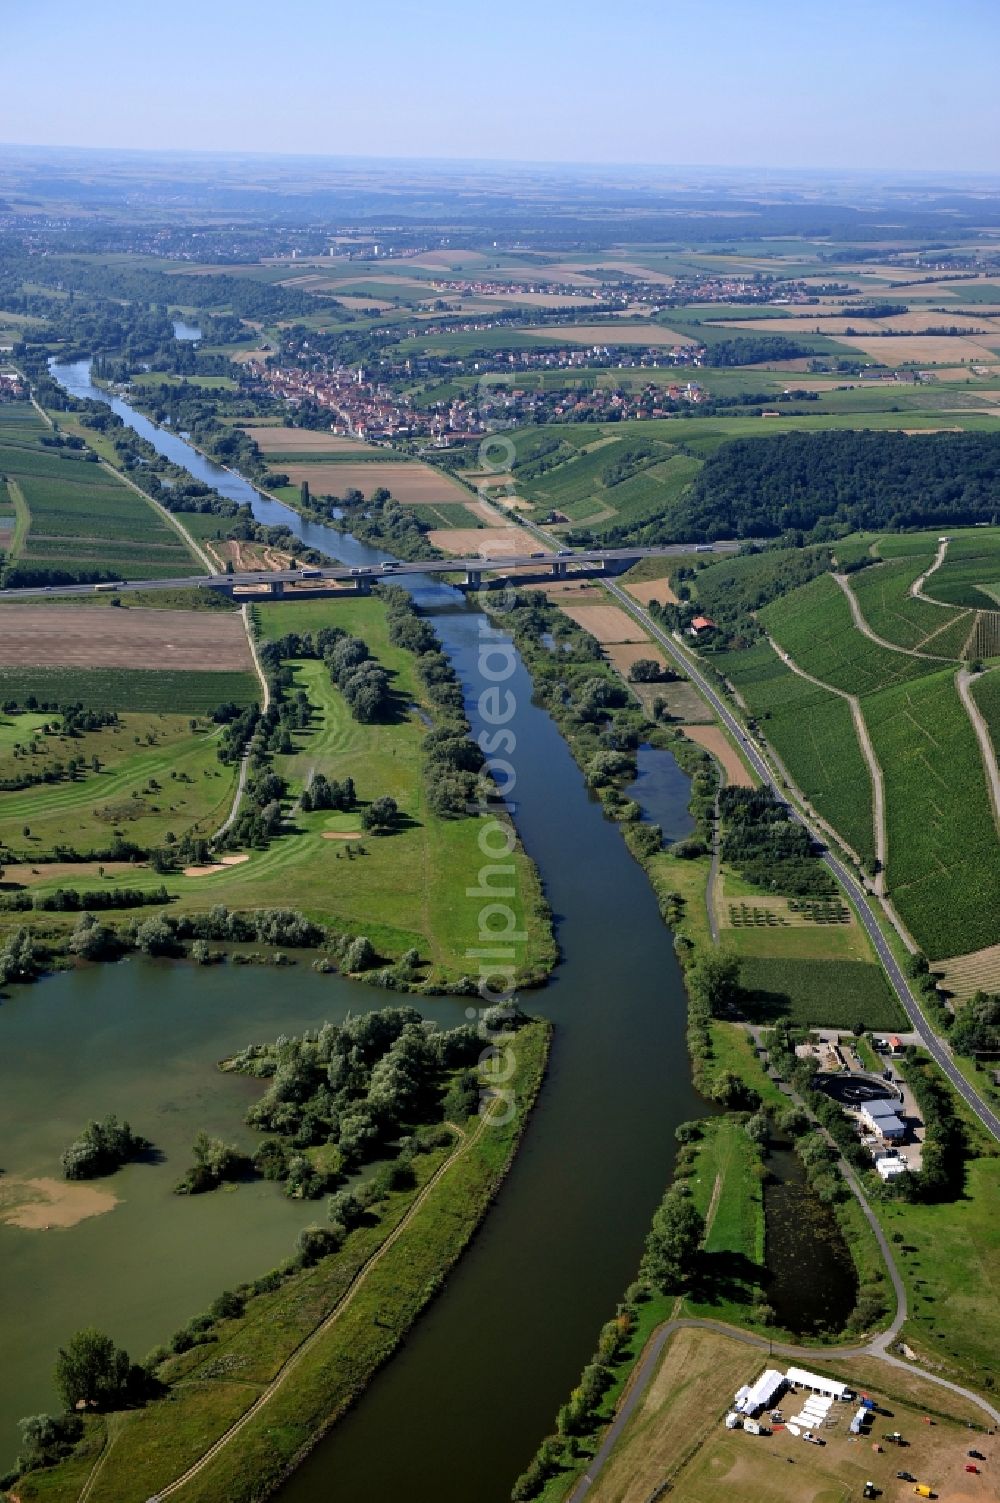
<point x="608" y="482"/>
<point x="986" y="693"/>
<point x="814" y="624"/>
<point x="970" y="574"/>
<point x="813" y="733"/>
<point x="941" y="844"/>
<point x="82" y="523"/>
<point x="985" y="640"/>
<point x="883" y="593"/>
<point x="942" y="840"/>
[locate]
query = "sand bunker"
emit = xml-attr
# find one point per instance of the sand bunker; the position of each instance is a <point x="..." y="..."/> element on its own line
<point x="217" y="866"/>
<point x="343" y="835"/>
<point x="38" y="1205"/>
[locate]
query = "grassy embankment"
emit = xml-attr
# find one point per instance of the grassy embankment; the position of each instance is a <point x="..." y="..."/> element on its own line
<point x="209" y="1388"/>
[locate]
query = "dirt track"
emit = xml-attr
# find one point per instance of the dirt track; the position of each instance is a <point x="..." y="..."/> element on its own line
<point x="81" y="636"/>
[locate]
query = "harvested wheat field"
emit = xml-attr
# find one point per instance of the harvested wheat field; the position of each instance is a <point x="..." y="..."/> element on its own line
<point x="487" y="514"/>
<point x="659" y="590"/>
<point x="916" y="320"/>
<point x="477" y="542"/>
<point x="714" y="739"/>
<point x="68" y="636"/>
<point x="405" y="482"/>
<point x="608" y="623"/>
<point x="305" y="441"/>
<point x="244" y="357"/>
<point x="623" y="654"/>
<point x="927" y="349"/>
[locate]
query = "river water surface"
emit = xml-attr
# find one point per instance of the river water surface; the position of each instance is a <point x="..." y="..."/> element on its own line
<point x="458" y="1412"/>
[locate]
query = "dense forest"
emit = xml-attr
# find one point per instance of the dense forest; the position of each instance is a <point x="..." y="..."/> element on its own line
<point x="824" y="484"/>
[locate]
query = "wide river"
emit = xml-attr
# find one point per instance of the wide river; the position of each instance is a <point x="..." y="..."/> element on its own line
<point x="458" y="1412"/>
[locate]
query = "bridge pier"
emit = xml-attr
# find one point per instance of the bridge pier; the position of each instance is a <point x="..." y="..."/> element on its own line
<point x="364" y="585"/>
<point x="474" y="579"/>
<point x="559" y="569"/>
<point x="276" y="587"/>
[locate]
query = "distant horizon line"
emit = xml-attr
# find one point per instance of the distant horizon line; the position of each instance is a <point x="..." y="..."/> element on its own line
<point x="918" y="174"/>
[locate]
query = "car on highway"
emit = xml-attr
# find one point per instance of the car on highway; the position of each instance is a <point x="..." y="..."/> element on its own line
<point x="387" y="566"/>
<point x="538" y="555"/>
<point x="564" y="553"/>
<point x="309" y="574"/>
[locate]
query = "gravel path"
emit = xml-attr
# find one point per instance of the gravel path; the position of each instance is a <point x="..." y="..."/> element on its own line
<point x="866" y="631"/>
<point x="964" y="681"/>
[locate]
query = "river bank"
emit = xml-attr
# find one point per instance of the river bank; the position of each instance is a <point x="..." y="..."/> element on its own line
<point x="255" y="1390"/>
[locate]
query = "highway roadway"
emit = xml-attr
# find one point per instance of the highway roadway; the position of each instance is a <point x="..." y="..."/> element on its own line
<point x="843" y="874"/>
<point x="247" y="579"/>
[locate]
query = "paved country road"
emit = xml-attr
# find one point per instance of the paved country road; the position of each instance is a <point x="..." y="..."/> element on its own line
<point x="932" y="1043"/>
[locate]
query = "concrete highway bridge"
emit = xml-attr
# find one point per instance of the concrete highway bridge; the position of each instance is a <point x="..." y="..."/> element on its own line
<point x="478" y="573"/>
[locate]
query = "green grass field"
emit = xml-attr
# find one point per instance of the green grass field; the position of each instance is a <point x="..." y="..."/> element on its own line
<point x="726" y="1157"/>
<point x="949" y="1255"/>
<point x="192" y="792"/>
<point x="816" y="994"/>
<point x="409" y="888"/>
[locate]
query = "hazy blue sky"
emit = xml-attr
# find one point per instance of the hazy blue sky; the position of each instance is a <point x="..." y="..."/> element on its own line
<point x="827" y="83"/>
